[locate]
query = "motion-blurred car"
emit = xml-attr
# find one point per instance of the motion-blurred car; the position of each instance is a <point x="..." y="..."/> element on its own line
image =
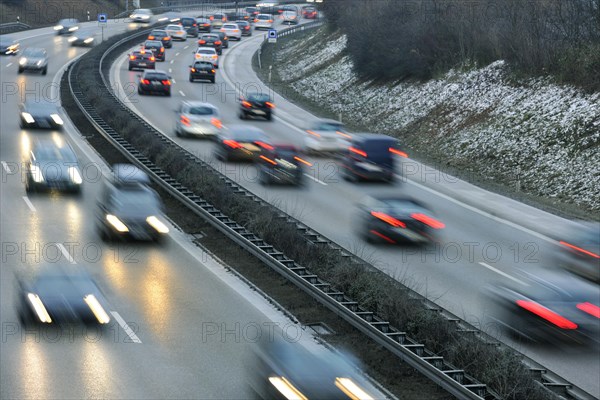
<point x="195" y="118"/>
<point x="396" y="219"/>
<point x="309" y="12"/>
<point x="190" y="25"/>
<point x="283" y="370"/>
<point x="141" y="15"/>
<point x="245" y="27"/>
<point x="211" y="40"/>
<point x="34" y="59"/>
<point x="371" y="157"/>
<point x="83" y="37"/>
<point x="252" y="12"/>
<point x="203" y="24"/>
<point x="154" y="82"/>
<point x="202" y="71"/>
<point x="326" y="135"/>
<point x="281" y="163"/>
<point x="162" y="36"/>
<point x="256" y="105"/>
<point x="128" y="208"/>
<point x="271" y="7"/>
<point x="548" y="305"/>
<point x="156" y="48"/>
<point x="8" y="45"/>
<point x="232" y="31"/>
<point x="142" y="59"/>
<point x="207" y="54"/>
<point x="224" y="38"/>
<point x="241" y="143"/>
<point x="217" y="20"/>
<point x="60" y="295"/>
<point x="40" y="114"/>
<point x="580" y="250"/>
<point x="263" y="21"/>
<point x="53" y="165"/>
<point x="289" y="17"/>
<point x="66" y="26"/>
<point x="239" y="16"/>
<point x="176" y="32"/>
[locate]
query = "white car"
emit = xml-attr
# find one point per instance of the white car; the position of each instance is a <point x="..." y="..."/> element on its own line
<point x="176" y="32"/>
<point x="263" y="21"/>
<point x="326" y="135"/>
<point x="207" y="54"/>
<point x="289" y="17"/>
<point x="195" y="118"/>
<point x="233" y="31"/>
<point x="141" y="15"/>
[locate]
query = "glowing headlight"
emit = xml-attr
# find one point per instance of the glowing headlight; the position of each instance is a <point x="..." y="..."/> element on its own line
<point x="88" y="40"/>
<point x="22" y="61"/>
<point x="27" y="117"/>
<point x="72" y="39"/>
<point x="58" y="27"/>
<point x="36" y="174"/>
<point x="145" y="16"/>
<point x="39" y="308"/>
<point x="286" y="388"/>
<point x="75" y="175"/>
<point x="156" y="224"/>
<point x="57" y="119"/>
<point x="73" y="28"/>
<point x="351" y="389"/>
<point x="97" y="309"/>
<point x="116" y="223"/>
<point x="286" y="163"/>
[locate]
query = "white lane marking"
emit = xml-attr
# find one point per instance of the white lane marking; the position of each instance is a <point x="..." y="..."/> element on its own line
<point x="186" y="47"/>
<point x="172" y="61"/>
<point x="176" y="54"/>
<point x="8" y="65"/>
<point x="173" y="80"/>
<point x="126" y="327"/>
<point x="29" y="203"/>
<point x="315" y="179"/>
<point x="65" y="252"/>
<point x="181" y="93"/>
<point x="6" y="167"/>
<point x="170" y="70"/>
<point x="504" y="274"/>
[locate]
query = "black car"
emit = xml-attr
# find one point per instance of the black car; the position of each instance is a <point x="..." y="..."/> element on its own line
<point x="239" y="16"/>
<point x="241" y="143"/>
<point x="245" y="27"/>
<point x="40" y="114"/>
<point x="142" y="59"/>
<point x="371" y="157"/>
<point x="83" y="37"/>
<point x="61" y="295"/>
<point x="224" y="38"/>
<point x="273" y="10"/>
<point x="256" y="105"/>
<point x="156" y="48"/>
<point x="34" y="59"/>
<point x="579" y="250"/>
<point x="190" y="25"/>
<point x="162" y="36"/>
<point x="252" y="12"/>
<point x="396" y="219"/>
<point x="548" y="305"/>
<point x="211" y="40"/>
<point x="203" y="24"/>
<point x="8" y="45"/>
<point x="280" y="163"/>
<point x="52" y="164"/>
<point x="66" y="26"/>
<point x="154" y="82"/>
<point x="128" y="208"/>
<point x="202" y="70"/>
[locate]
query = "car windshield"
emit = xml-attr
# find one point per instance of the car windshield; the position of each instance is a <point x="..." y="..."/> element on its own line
<point x="264" y="17"/>
<point x="205" y="52"/>
<point x="230" y="26"/>
<point x="260" y="97"/>
<point x="152" y="43"/>
<point x="143" y="11"/>
<point x="201" y="110"/>
<point x="329" y="127"/>
<point x="53" y="153"/>
<point x="126" y="200"/>
<point x="203" y="65"/>
<point x="67" y="22"/>
<point x="188" y="21"/>
<point x="34" y="53"/>
<point x="210" y="37"/>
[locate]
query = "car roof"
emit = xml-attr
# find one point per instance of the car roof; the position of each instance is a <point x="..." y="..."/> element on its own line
<point x="154" y="71"/>
<point x="34" y="50"/>
<point x="365" y="137"/>
<point x="48" y="147"/>
<point x="193" y="103"/>
<point x="153" y="43"/>
<point x="40" y="105"/>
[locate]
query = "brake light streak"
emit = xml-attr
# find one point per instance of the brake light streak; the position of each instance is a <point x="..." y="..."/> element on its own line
<point x="547" y="314"/>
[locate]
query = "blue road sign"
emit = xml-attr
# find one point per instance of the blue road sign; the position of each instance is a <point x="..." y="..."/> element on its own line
<point x="272" y="34"/>
<point x="102" y="18"/>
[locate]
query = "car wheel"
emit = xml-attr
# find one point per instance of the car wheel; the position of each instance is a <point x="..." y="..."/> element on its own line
<point x="130" y="68"/>
<point x="103" y="235"/>
<point x="191" y="79"/>
<point x="212" y="80"/>
<point x="45" y="71"/>
<point x="20" y="70"/>
<point x="168" y="94"/>
<point x="140" y="91"/>
<point x="242" y="115"/>
<point x="269" y="117"/>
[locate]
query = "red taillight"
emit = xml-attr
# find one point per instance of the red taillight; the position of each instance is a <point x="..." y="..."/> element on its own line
<point x="162" y="49"/>
<point x="547" y="314"/>
<point x="194" y="25"/>
<point x="579" y="249"/>
<point x="218" y="42"/>
<point x="232" y="143"/>
<point x="313" y="133"/>
<point x="427" y="220"/>
<point x="264" y="145"/>
<point x="132" y="57"/>
<point x="166" y="82"/>
<point x="255" y="20"/>
<point x="247" y="28"/>
<point x="302" y="161"/>
<point x="216" y="122"/>
<point x="152" y="58"/>
<point x="201" y="41"/>
<point x="390" y="220"/>
<point x="268" y="160"/>
<point x="246" y="104"/>
<point x="150" y="37"/>
<point x="145" y="81"/>
<point x="269" y="104"/>
<point x="398" y="152"/>
<point x="211" y="18"/>
<point x="185" y="120"/>
<point x="357" y="151"/>
<point x="590" y="308"/>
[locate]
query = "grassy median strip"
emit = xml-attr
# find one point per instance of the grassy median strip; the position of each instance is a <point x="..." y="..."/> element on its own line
<point x="498" y="367"/>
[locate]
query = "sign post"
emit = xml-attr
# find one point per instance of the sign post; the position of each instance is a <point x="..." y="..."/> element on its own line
<point x="102" y="20"/>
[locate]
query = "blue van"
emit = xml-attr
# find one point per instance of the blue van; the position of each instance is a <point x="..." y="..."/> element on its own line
<point x="371" y="157"/>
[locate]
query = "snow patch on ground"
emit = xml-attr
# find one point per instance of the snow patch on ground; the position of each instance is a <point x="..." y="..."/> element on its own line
<point x="535" y="135"/>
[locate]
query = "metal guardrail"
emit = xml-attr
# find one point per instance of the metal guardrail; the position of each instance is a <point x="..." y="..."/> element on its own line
<point x="11" y="27"/>
<point x="454" y="380"/>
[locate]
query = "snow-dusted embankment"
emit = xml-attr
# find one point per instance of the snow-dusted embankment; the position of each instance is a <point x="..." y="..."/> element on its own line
<point x="545" y="136"/>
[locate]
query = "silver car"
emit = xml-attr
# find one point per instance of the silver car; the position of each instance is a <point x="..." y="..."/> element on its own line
<point x="232" y="30"/>
<point x="176" y="32"/>
<point x="326" y="135"/>
<point x="195" y="118"/>
<point x="263" y="21"/>
<point x="141" y="15"/>
<point x="34" y="59"/>
<point x="290" y="17"/>
<point x="66" y="26"/>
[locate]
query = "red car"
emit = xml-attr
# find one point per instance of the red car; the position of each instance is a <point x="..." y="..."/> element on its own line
<point x="309" y="12"/>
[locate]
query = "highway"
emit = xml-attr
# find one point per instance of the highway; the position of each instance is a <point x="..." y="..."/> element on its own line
<point x="179" y="320"/>
<point x="476" y="248"/>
